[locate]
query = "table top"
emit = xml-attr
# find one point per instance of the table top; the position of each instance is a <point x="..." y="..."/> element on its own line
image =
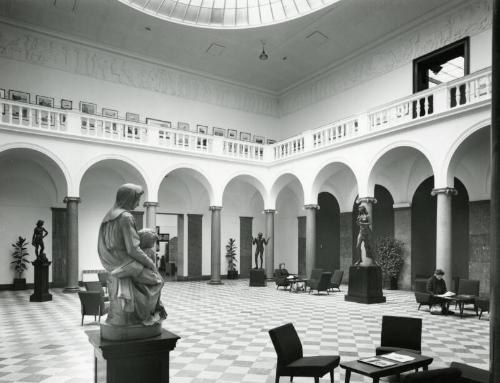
<point x="378" y="372"/>
<point x="461" y="298"/>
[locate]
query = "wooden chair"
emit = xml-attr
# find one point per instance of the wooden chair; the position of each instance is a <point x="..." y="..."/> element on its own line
<point x="92" y="303"/>
<point x="400" y="333"/>
<point x="321" y="284"/>
<point x="291" y="361"/>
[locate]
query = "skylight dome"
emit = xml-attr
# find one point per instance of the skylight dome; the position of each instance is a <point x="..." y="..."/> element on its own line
<point x="227" y="14"/>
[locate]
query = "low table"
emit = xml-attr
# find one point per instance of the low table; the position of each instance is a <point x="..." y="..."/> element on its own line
<point x="295" y="286"/>
<point x="379" y="372"/>
<point x="461" y="301"/>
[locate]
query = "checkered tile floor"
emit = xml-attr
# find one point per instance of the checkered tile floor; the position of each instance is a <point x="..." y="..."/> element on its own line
<point x="224" y="335"/>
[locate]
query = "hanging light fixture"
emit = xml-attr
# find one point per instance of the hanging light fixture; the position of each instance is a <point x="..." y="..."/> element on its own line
<point x="263" y="56"/>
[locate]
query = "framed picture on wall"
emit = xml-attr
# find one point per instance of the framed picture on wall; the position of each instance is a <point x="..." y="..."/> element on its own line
<point x="270" y="141"/>
<point x="203" y="129"/>
<point x="244" y="136"/>
<point x="134" y="117"/>
<point x="158" y="123"/>
<point x="259" y="139"/>
<point x="183" y="126"/>
<point x="66" y="104"/>
<point x="88" y="107"/>
<point x="45" y="101"/>
<point x="109" y="113"/>
<point x="232" y="133"/>
<point x="218" y="132"/>
<point x="16" y="95"/>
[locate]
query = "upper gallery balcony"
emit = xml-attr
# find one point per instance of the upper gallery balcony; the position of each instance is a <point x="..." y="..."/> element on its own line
<point x="457" y="96"/>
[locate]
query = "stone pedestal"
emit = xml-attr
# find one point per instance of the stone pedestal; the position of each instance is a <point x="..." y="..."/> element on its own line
<point x="41" y="293"/>
<point x="132" y="361"/>
<point x="365" y="285"/>
<point x="257" y="277"/>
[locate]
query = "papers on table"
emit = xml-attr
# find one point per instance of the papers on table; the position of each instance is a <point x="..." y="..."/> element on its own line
<point x="398" y="357"/>
<point x="378" y="362"/>
<point x="446" y="294"/>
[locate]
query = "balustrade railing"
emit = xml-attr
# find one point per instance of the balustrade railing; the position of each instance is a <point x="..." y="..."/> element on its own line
<point x="443" y="98"/>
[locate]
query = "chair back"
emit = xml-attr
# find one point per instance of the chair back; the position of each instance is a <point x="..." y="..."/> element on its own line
<point x="103" y="279"/>
<point x="421" y="285"/>
<point x="94" y="286"/>
<point x="401" y="332"/>
<point x="91" y="302"/>
<point x="468" y="287"/>
<point x="324" y="281"/>
<point x="422" y="298"/>
<point x="337" y="277"/>
<point x="316" y="274"/>
<point x="440" y="375"/>
<point x="287" y="344"/>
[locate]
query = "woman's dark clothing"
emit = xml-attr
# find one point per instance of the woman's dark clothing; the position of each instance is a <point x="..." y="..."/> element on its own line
<point x="436" y="286"/>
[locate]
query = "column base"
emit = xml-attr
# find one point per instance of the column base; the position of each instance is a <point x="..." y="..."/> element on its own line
<point x="215" y="282"/>
<point x="71" y="289"/>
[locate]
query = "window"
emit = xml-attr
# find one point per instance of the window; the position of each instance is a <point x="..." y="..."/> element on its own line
<point x="442" y="65"/>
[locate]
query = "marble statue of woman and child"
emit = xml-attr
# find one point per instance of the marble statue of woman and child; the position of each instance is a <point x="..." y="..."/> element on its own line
<point x="134" y="282"/>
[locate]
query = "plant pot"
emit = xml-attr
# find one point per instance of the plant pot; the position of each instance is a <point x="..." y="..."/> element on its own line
<point x="232" y="274"/>
<point x="19" y="283"/>
<point x="393" y="283"/>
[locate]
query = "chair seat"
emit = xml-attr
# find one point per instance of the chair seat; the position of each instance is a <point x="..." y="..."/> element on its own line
<point x="312" y="365"/>
<point x="385" y="350"/>
<point x="471" y="374"/>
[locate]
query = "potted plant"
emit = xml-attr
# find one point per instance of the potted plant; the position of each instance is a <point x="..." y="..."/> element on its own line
<point x="232" y="273"/>
<point x="390" y="258"/>
<point x="20" y="253"/>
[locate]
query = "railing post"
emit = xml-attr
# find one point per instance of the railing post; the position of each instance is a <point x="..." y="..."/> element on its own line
<point x="218" y="145"/>
<point x="363" y="124"/>
<point x="268" y="153"/>
<point x="73" y="123"/>
<point x="441" y="102"/>
<point x="308" y="140"/>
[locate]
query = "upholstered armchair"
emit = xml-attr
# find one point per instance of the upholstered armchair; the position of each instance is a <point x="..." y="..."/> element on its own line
<point x="281" y="278"/>
<point x="92" y="303"/>
<point x="315" y="276"/>
<point x="321" y="284"/>
<point x="336" y="280"/>
<point x="96" y="287"/>
<point x="400" y="333"/>
<point x="440" y="375"/>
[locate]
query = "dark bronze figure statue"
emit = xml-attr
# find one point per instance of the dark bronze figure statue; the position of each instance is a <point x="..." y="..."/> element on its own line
<point x="38" y="235"/>
<point x="259" y="250"/>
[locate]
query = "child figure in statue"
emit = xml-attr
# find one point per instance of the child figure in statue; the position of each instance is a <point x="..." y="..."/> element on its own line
<point x="38" y="235"/>
<point x="364" y="236"/>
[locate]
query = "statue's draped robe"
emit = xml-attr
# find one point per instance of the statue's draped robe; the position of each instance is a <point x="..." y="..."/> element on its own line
<point x="134" y="289"/>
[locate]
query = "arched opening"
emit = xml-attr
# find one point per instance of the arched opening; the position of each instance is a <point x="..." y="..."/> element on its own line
<point x="32" y="188"/>
<point x="242" y="218"/>
<point x="183" y="220"/>
<point x="98" y="187"/>
<point x="328" y="233"/>
<point x="383" y="213"/>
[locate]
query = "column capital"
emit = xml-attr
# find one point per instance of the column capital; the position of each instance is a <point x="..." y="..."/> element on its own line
<point x="446" y="191"/>
<point x="213" y="208"/>
<point x="269" y="211"/>
<point x="151" y="204"/>
<point x="311" y="206"/>
<point x="72" y="199"/>
<point x="368" y="200"/>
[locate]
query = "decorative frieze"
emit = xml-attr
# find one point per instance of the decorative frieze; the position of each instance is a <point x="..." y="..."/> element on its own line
<point x="62" y="54"/>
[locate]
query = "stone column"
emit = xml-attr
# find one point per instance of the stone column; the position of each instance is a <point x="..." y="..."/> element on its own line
<point x="443" y="232"/>
<point x="215" y="247"/>
<point x="310" y="237"/>
<point x="495" y="199"/>
<point x="72" y="250"/>
<point x="150" y="214"/>
<point x="269" y="254"/>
